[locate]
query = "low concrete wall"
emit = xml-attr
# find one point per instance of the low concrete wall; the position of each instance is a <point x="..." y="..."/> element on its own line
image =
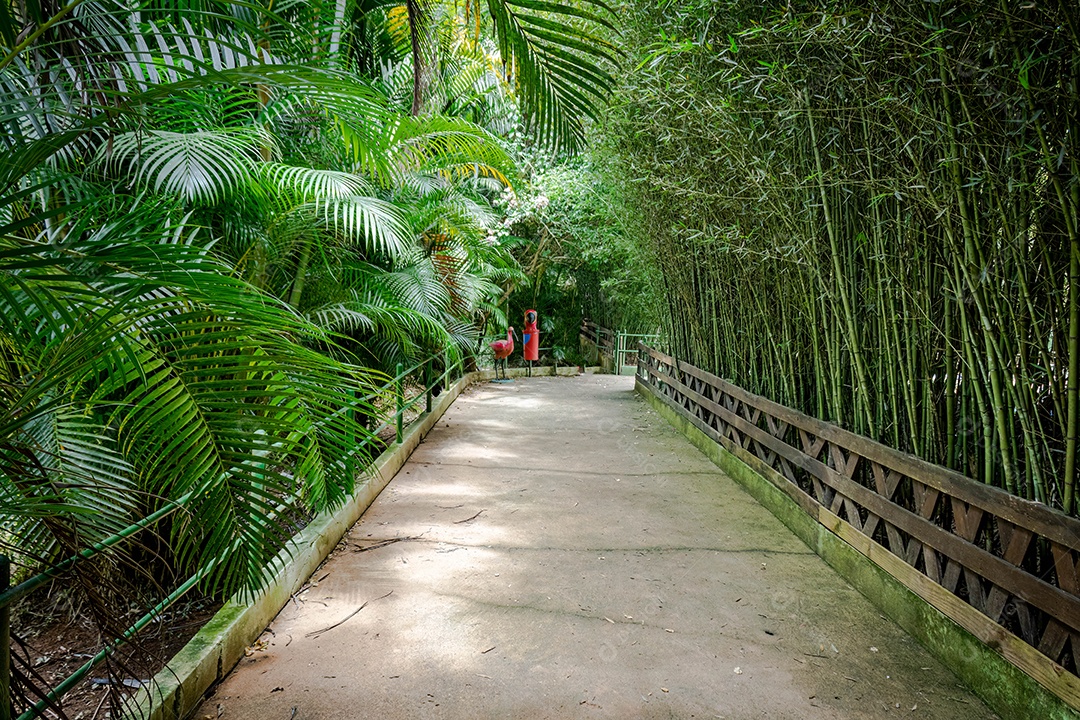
<point x="607" y="364"/>
<point x="604" y="364"/>
<point x="538" y="371"/>
<point x="220" y="644"/>
<point x="1010" y="692"/>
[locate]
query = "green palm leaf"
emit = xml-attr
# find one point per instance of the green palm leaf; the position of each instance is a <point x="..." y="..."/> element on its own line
<point x="306" y="183"/>
<point x="559" y="68"/>
<point x="374" y="224"/>
<point x="203" y="167"/>
<point x="451" y="146"/>
<point x="204" y="391"/>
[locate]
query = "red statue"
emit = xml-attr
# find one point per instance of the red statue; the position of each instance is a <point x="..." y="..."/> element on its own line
<point x="530" y="338"/>
<point x="502" y="349"/>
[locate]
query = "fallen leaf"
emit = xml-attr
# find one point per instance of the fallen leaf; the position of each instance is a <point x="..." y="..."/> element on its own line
<point x="257" y="647"/>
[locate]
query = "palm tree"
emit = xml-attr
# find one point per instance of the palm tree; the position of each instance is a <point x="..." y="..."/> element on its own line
<point x="554" y="55"/>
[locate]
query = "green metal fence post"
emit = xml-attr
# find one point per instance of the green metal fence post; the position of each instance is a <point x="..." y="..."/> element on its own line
<point x="5" y="643"/>
<point x="350" y="420"/>
<point x="427" y="381"/>
<point x="618" y="352"/>
<point x="400" y="396"/>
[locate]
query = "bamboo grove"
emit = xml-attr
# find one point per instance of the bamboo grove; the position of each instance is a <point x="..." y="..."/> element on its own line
<point x="869" y="213"/>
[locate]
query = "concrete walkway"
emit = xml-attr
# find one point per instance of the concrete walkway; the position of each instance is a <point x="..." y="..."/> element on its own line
<point x="555" y="550"/>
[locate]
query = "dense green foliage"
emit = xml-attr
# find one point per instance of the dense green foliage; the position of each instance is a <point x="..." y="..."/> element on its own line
<point x="218" y="223"/>
<point x="579" y="258"/>
<point x="869" y="212"/>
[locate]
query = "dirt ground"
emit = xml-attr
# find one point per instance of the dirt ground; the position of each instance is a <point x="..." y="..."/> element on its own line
<point x="555" y="550"/>
<point x="56" y="643"/>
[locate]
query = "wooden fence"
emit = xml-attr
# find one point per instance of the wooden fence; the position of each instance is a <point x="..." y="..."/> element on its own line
<point x="601" y="337"/>
<point x="1003" y="568"/>
<point x="613" y="348"/>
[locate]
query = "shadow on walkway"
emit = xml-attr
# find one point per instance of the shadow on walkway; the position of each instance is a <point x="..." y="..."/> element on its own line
<point x="555" y="550"/>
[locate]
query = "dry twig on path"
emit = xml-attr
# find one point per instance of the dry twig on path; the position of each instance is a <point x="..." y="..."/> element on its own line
<point x="383" y="543"/>
<point x="317" y="633"/>
<point x="458" y="522"/>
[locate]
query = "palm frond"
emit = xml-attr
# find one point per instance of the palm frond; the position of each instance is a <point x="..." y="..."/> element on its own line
<point x="417" y="285"/>
<point x="306" y="183"/>
<point x="79" y="472"/>
<point x="357" y="108"/>
<point x="374" y="224"/>
<point x="448" y="145"/>
<point x="380" y="316"/>
<point x="559" y="68"/>
<point x="201" y="383"/>
<point x="200" y="167"/>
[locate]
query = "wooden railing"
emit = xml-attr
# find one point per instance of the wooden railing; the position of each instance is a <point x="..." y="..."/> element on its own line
<point x="1002" y="567"/>
<point x="620" y="347"/>
<point x="601" y="337"/>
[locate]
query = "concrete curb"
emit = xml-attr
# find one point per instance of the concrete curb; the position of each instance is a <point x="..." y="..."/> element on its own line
<point x="1006" y="689"/>
<point x="219" y="645"/>
<point x="519" y="372"/>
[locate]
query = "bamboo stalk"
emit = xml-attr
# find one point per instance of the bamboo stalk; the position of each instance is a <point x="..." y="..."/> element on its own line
<point x="863" y="388"/>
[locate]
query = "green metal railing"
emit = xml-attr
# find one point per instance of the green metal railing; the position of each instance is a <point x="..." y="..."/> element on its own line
<point x="615" y="344"/>
<point x="627" y="344"/>
<point x="5" y="642"/>
<point x="9" y="595"/>
<point x="397" y="385"/>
